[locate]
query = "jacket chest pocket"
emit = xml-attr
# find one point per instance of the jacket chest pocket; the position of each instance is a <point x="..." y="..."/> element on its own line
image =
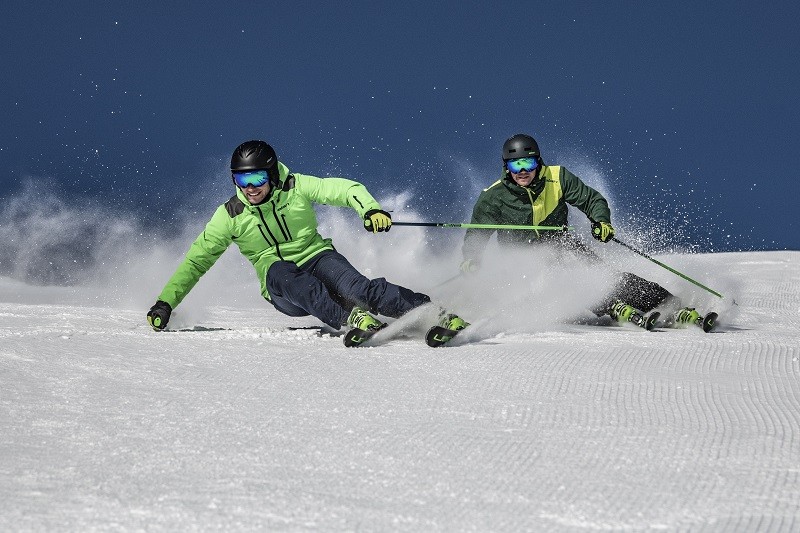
<point x="272" y="225"/>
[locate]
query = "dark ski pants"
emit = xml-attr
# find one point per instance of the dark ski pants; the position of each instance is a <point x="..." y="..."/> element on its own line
<point x="638" y="292"/>
<point x="328" y="287"/>
<point x="635" y="291"/>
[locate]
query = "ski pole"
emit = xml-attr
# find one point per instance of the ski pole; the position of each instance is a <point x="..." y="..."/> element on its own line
<point x="448" y="281"/>
<point x="659" y="263"/>
<point x="482" y="226"/>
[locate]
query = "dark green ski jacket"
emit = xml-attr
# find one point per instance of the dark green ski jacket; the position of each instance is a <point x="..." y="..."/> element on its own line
<point x="543" y="203"/>
<point x="284" y="227"/>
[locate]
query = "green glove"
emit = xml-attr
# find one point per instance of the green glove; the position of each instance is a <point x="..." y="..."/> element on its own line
<point x="602" y="231"/>
<point x="469" y="266"/>
<point x="376" y="220"/>
<point x="158" y="315"/>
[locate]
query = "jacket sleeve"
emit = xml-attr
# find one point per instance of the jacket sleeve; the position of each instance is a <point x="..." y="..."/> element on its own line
<point x="202" y="254"/>
<point x="475" y="239"/>
<point x="577" y="193"/>
<point x="339" y="192"/>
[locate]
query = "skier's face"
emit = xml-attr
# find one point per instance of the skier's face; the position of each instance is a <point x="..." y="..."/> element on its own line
<point x="256" y="195"/>
<point x="523" y="169"/>
<point x="524" y="178"/>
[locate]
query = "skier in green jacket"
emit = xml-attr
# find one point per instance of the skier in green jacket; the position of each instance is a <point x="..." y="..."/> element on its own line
<point x="532" y="193"/>
<point x="271" y="219"/>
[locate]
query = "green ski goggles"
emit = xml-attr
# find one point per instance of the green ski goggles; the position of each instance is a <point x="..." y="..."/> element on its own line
<point x="256" y="178"/>
<point x="526" y="164"/>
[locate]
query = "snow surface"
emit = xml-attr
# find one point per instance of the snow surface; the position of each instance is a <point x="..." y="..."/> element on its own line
<point x="251" y="420"/>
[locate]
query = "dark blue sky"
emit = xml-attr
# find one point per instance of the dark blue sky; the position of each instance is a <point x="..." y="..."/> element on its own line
<point x="687" y="111"/>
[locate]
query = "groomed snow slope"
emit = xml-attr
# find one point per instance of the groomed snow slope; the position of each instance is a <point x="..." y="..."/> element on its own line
<point x="107" y="425"/>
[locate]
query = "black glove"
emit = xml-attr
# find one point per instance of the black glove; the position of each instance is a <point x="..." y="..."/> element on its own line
<point x="602" y="231"/>
<point x="158" y="315"/>
<point x="376" y="220"/>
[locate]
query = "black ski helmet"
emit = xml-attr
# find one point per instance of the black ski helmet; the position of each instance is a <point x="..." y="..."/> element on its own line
<point x="255" y="155"/>
<point x="520" y="145"/>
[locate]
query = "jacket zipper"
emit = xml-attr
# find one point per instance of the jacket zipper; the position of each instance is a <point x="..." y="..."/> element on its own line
<point x="286" y="235"/>
<point x="533" y="212"/>
<point x="266" y="227"/>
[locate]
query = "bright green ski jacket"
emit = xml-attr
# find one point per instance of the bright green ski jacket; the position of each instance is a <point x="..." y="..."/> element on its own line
<point x="543" y="203"/>
<point x="283" y="227"/>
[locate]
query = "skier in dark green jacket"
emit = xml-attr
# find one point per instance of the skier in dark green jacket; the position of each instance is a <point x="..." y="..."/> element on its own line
<point x="271" y="219"/>
<point x="532" y="193"/>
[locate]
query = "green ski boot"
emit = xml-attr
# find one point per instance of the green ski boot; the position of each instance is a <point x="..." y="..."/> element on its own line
<point x="363" y="325"/>
<point x="448" y="327"/>
<point x="689" y="315"/>
<point x="622" y="312"/>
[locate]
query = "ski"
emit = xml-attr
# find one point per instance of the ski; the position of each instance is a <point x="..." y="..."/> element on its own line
<point x="435" y="337"/>
<point x="447" y="327"/>
<point x="709" y="322"/>
<point x="438" y="336"/>
<point x="357" y="337"/>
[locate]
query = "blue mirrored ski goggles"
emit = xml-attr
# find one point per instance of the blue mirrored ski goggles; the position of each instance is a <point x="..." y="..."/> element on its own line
<point x="527" y="164"/>
<point x="256" y="178"/>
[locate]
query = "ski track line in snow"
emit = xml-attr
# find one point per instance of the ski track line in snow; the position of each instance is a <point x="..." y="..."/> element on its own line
<point x="107" y="425"/>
